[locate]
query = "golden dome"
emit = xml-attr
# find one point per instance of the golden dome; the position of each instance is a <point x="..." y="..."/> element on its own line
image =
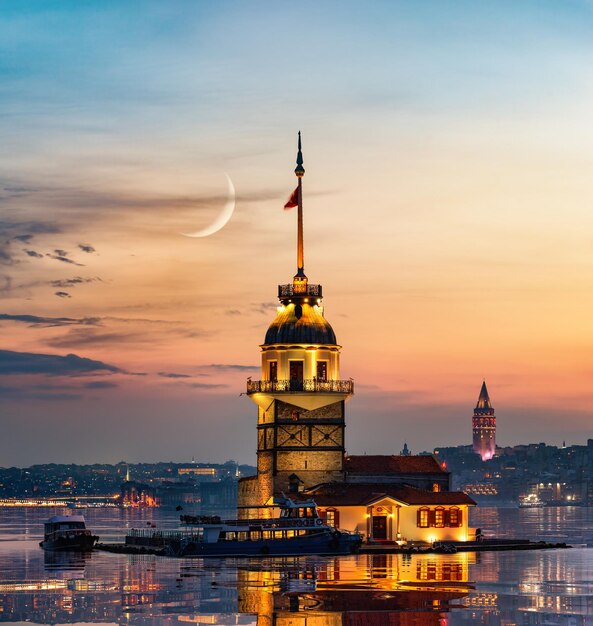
<point x="300" y="323"/>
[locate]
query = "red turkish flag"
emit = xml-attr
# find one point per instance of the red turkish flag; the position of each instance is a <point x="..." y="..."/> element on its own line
<point x="293" y="200"/>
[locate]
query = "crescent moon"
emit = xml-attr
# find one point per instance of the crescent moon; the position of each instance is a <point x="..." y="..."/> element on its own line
<point x="223" y="217"/>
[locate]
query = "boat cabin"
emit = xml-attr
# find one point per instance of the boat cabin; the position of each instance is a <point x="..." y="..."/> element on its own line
<point x="291" y="510"/>
<point x="63" y="523"/>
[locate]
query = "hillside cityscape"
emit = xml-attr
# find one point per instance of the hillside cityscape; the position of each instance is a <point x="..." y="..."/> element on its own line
<point x="557" y="475"/>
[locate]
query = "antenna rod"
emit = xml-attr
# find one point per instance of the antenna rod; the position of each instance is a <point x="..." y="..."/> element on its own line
<point x="300" y="172"/>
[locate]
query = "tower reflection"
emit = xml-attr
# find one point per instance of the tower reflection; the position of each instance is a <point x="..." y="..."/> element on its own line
<point x="368" y="589"/>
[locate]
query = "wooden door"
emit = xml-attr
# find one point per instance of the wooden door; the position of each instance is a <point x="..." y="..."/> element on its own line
<point x="379" y="527"/>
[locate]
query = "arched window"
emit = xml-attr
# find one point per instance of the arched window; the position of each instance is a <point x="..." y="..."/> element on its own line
<point x="422" y="517"/>
<point x="439" y="517"/>
<point x="455" y="517"/>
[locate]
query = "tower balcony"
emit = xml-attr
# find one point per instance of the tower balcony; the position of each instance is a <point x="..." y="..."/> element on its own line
<point x="299" y="289"/>
<point x="300" y="386"/>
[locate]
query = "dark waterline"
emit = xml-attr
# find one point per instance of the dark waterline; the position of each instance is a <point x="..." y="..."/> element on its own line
<point x="543" y="587"/>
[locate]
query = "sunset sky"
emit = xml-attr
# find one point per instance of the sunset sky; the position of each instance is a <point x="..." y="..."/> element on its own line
<point x="448" y="148"/>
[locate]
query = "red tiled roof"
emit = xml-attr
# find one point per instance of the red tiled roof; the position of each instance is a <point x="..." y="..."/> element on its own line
<point x="362" y="494"/>
<point x="387" y="464"/>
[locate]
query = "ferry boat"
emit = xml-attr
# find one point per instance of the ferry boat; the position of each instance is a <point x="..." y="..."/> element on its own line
<point x="297" y="531"/>
<point x="67" y="533"/>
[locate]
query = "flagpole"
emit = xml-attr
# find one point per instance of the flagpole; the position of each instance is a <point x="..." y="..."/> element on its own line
<point x="300" y="172"/>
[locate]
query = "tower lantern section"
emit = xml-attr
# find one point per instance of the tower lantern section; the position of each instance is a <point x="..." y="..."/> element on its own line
<point x="300" y="397"/>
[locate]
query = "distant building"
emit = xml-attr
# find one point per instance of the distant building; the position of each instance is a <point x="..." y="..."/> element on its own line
<point x="199" y="473"/>
<point x="484" y="426"/>
<point x="136" y="494"/>
<point x="171" y="494"/>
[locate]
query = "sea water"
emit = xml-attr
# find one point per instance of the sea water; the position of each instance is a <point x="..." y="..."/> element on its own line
<point x="524" y="587"/>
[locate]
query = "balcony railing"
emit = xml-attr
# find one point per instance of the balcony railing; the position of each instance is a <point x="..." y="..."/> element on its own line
<point x="287" y="291"/>
<point x="308" y="385"/>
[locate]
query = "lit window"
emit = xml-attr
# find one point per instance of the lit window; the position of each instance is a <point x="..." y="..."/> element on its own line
<point x="454" y="517"/>
<point x="423" y="518"/>
<point x="321" y="371"/>
<point x="439" y="517"/>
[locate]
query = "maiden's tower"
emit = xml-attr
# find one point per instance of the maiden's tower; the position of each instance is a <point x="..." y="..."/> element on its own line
<point x="300" y="396"/>
<point x="300" y="400"/>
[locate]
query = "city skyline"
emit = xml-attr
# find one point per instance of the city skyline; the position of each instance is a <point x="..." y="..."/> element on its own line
<point x="446" y="211"/>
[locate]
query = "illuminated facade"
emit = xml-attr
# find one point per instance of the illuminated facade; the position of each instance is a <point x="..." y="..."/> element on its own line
<point x="484" y="426"/>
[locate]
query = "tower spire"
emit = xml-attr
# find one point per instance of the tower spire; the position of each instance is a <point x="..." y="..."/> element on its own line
<point x="300" y="277"/>
<point x="484" y="398"/>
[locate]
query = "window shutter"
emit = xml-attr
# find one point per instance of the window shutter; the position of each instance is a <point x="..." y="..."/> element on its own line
<point x="431" y="517"/>
<point x="337" y="518"/>
<point x="446" y="518"/>
<point x="418" y="518"/>
<point x="460" y="518"/>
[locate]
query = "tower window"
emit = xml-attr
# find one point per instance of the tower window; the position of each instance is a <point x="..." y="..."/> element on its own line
<point x="274" y="371"/>
<point x="322" y="371"/>
<point x="296" y="370"/>
<point x="296" y="375"/>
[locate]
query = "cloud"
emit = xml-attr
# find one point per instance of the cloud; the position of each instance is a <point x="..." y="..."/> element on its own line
<point x="36" y="320"/>
<point x="25" y="230"/>
<point x="122" y="333"/>
<point x="50" y="364"/>
<point x="32" y="253"/>
<point x="75" y="338"/>
<point x="100" y="384"/>
<point x="207" y="385"/>
<point x="63" y="258"/>
<point x="232" y="366"/>
<point x="264" y="307"/>
<point x="6" y="257"/>
<point x="85" y="247"/>
<point x="22" y="231"/>
<point x="63" y="294"/>
<point x="72" y="282"/>
<point x="173" y="375"/>
<point x="6" y="285"/>
<point x="28" y="392"/>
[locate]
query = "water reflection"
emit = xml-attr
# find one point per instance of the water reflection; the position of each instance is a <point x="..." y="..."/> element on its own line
<point x="548" y="587"/>
<point x="377" y="589"/>
<point x="143" y="590"/>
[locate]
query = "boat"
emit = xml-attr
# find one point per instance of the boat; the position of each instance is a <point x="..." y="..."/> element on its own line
<point x="531" y="501"/>
<point x="67" y="533"/>
<point x="298" y="530"/>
